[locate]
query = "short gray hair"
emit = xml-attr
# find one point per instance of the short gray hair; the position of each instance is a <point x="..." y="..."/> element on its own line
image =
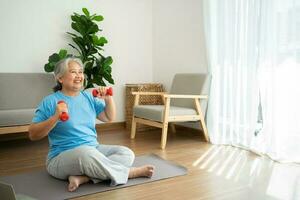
<point x="60" y="69"/>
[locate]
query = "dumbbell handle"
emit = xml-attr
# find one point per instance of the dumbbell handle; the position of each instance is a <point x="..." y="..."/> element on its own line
<point x="64" y="115"/>
<point x="109" y="92"/>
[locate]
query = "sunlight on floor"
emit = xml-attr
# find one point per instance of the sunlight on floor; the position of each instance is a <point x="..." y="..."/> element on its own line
<point x="261" y="174"/>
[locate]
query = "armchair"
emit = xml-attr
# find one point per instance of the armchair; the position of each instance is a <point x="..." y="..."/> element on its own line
<point x="182" y="104"/>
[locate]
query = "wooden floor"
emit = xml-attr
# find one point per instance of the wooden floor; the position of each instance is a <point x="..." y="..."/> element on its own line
<point x="214" y="172"/>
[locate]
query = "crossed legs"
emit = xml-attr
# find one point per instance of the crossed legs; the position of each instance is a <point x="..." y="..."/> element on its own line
<point x="85" y="163"/>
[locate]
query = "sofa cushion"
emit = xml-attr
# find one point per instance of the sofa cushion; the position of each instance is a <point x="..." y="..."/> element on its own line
<point x="16" y="117"/>
<point x="156" y="112"/>
<point x="24" y="90"/>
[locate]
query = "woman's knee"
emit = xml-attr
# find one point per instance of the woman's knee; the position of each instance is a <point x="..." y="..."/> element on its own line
<point x="89" y="157"/>
<point x="126" y="151"/>
<point x="73" y="162"/>
<point x="55" y="170"/>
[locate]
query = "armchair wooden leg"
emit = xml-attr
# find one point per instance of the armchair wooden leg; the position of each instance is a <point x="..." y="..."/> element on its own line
<point x="202" y="123"/>
<point x="164" y="136"/>
<point x="133" y="128"/>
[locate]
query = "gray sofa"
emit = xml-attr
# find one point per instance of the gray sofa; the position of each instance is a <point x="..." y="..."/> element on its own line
<point x="20" y="95"/>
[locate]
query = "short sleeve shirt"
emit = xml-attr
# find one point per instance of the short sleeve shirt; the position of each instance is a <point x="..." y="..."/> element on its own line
<point x="79" y="129"/>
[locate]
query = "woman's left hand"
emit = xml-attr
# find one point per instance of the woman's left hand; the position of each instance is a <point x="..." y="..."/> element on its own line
<point x="102" y="92"/>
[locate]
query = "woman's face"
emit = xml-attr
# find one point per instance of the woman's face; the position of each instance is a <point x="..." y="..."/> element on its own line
<point x="73" y="78"/>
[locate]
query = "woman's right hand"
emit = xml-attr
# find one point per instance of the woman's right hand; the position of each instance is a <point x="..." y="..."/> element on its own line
<point x="40" y="130"/>
<point x="60" y="108"/>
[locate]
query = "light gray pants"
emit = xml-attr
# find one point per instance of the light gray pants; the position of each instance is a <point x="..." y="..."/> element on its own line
<point x="104" y="162"/>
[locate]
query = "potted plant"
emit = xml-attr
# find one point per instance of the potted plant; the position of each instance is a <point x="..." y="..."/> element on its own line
<point x="97" y="67"/>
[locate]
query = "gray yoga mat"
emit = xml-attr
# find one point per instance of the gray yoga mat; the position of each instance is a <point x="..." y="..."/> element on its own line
<point x="42" y="186"/>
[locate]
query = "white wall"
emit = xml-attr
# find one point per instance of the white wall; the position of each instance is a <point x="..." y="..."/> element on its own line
<point x="178" y="39"/>
<point x="149" y="40"/>
<point x="31" y="30"/>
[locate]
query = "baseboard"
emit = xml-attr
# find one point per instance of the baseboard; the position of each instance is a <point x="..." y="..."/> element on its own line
<point x="110" y="126"/>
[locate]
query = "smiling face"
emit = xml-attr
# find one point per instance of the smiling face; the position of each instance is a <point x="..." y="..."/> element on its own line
<point x="72" y="80"/>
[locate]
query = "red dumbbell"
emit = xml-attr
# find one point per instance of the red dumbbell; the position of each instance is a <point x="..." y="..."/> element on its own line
<point x="64" y="115"/>
<point x="109" y="92"/>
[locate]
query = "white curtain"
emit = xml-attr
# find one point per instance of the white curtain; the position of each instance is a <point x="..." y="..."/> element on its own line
<point x="254" y="55"/>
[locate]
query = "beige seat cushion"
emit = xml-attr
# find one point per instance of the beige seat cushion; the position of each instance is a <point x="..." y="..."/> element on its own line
<point x="16" y="117"/>
<point x="156" y="112"/>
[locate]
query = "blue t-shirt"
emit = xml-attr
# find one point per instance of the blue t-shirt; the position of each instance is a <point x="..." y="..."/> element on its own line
<point x="79" y="129"/>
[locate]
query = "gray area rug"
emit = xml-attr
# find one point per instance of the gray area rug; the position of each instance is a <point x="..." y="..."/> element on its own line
<point x="40" y="185"/>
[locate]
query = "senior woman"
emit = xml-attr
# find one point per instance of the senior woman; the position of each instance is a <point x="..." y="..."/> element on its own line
<point x="74" y="152"/>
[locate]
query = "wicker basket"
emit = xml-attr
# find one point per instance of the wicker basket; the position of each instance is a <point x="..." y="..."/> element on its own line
<point x="144" y="100"/>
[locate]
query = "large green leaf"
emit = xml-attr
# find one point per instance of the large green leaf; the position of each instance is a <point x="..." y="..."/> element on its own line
<point x="109" y="78"/>
<point x="49" y="67"/>
<point x="54" y="58"/>
<point x="96" y="69"/>
<point x="107" y="69"/>
<point x="95" y="39"/>
<point x="86" y="12"/>
<point x="62" y="53"/>
<point x="75" y="18"/>
<point x="84" y="21"/>
<point x="93" y="29"/>
<point x="108" y="61"/>
<point x="99" y="41"/>
<point x="102" y="40"/>
<point x="75" y="27"/>
<point x="98" y="80"/>
<point x="98" y="18"/>
<point x="89" y="84"/>
<point x="79" y="27"/>
<point x="88" y="65"/>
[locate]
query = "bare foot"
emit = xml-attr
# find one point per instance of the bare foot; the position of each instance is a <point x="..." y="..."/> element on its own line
<point x="143" y="171"/>
<point x="75" y="181"/>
